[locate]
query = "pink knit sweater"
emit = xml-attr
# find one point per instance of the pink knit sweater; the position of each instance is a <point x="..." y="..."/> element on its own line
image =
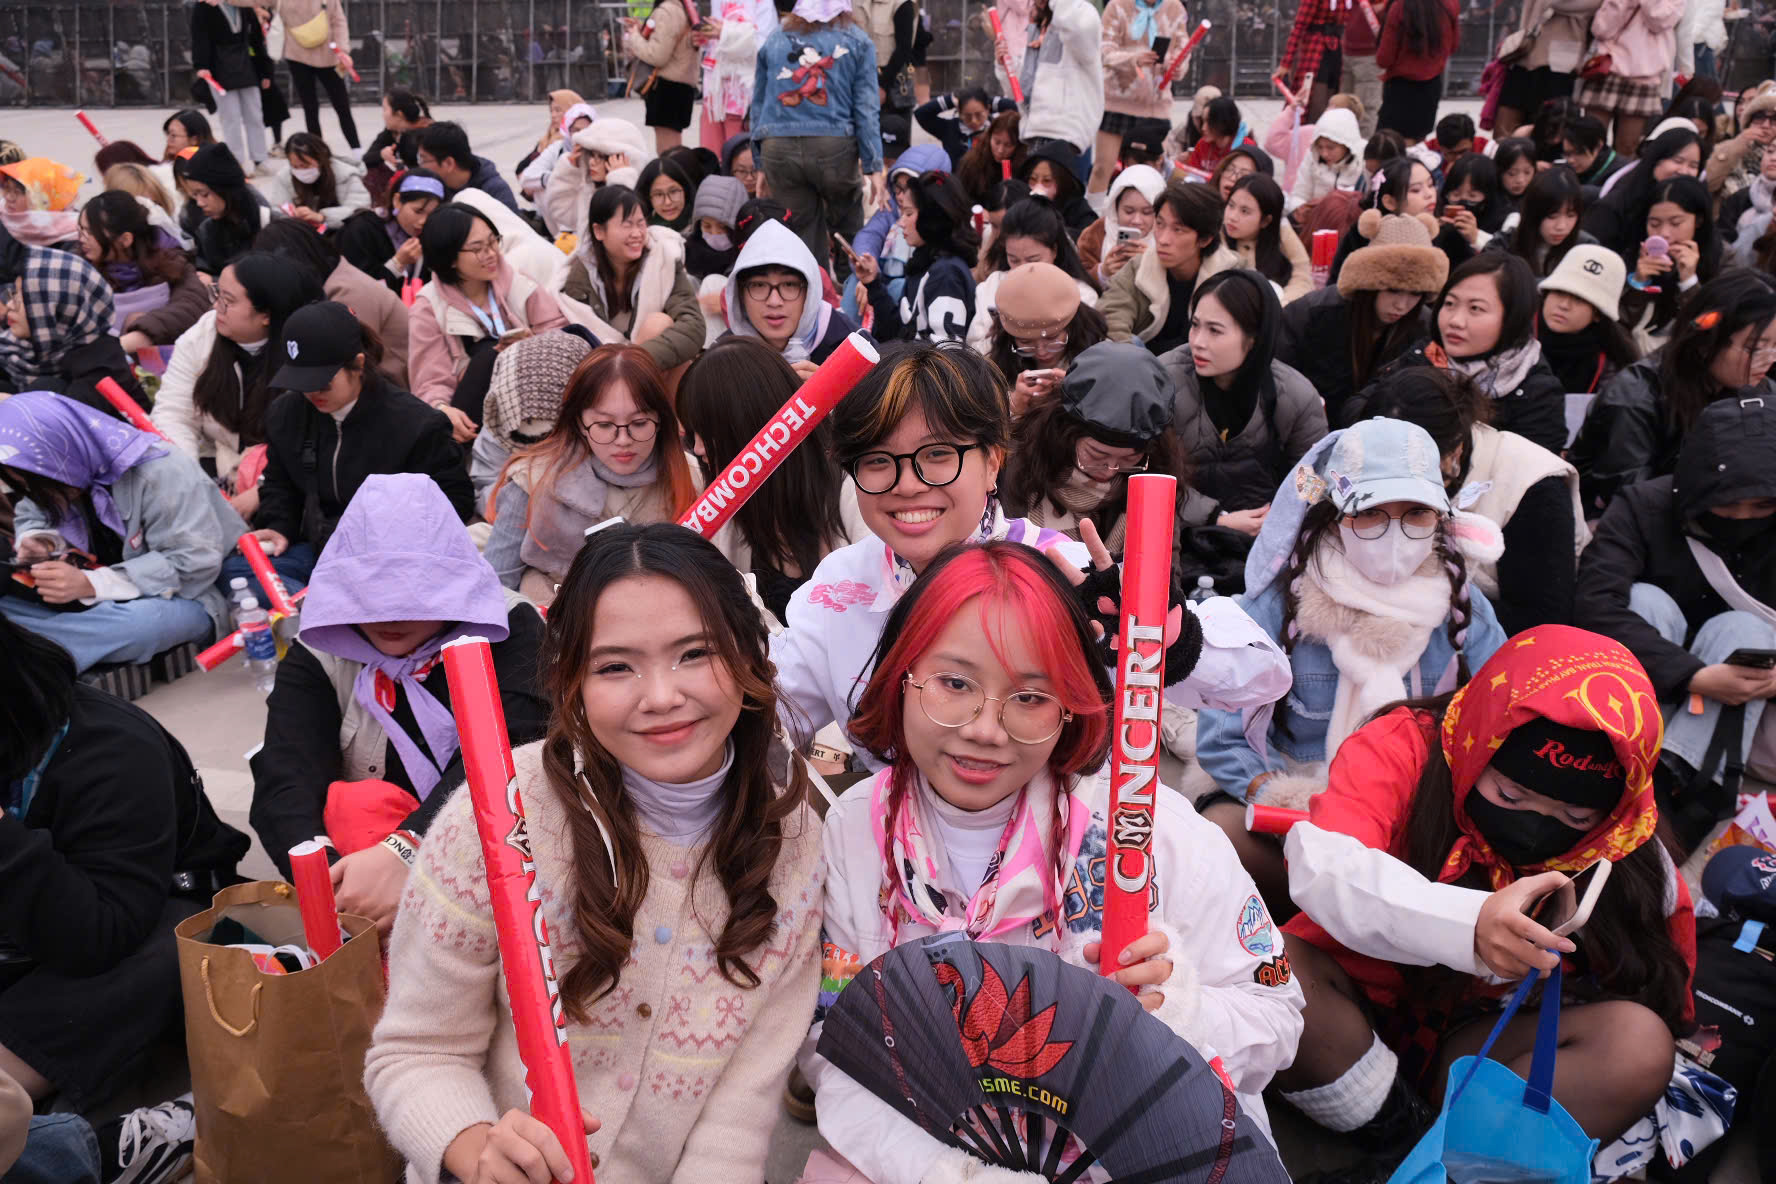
<point x="684" y="1070"/>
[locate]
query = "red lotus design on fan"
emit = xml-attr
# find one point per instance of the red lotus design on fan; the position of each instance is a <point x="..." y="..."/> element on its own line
<point x="998" y="1029"/>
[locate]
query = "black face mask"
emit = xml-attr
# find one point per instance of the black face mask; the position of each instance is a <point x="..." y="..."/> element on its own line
<point x="1733" y="533"/>
<point x="1522" y="838"/>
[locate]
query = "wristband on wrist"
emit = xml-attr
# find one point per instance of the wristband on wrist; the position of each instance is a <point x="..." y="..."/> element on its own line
<point x="404" y="844"/>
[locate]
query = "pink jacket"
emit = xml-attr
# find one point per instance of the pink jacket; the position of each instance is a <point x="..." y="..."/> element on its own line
<point x="1639" y="35"/>
<point x="441" y="321"/>
<point x="1132" y="90"/>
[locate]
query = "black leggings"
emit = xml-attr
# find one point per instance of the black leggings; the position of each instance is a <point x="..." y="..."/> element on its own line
<point x="305" y="78"/>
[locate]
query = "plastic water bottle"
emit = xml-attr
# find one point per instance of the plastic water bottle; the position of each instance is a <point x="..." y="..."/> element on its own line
<point x="237" y="592"/>
<point x="258" y="646"/>
<point x="1205" y="589"/>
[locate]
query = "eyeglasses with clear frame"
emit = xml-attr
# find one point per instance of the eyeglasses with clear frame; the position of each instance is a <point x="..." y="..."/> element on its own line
<point x="1420" y="522"/>
<point x="952" y="700"/>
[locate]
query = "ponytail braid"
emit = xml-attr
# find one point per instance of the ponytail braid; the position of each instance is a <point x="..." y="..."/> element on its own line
<point x="1461" y="606"/>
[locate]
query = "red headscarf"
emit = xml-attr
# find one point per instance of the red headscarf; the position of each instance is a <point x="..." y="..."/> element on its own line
<point x="1572" y="677"/>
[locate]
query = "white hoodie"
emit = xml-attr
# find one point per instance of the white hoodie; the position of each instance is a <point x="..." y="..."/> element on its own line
<point x="348" y="182"/>
<point x="1066" y="101"/>
<point x="776" y="245"/>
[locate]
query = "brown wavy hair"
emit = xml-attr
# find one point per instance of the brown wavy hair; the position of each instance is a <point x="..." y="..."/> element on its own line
<point x="978" y="171"/>
<point x="611" y="878"/>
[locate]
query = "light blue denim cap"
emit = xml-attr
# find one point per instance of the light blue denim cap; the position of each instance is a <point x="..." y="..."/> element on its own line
<point x="1384" y="460"/>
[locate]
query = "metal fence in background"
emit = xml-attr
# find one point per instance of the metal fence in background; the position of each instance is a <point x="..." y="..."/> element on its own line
<point x="137" y="52"/>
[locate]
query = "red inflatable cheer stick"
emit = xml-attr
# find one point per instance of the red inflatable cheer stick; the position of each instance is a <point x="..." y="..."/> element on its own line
<point x="128" y="407"/>
<point x="525" y="956"/>
<point x="782" y="435"/>
<point x="314" y="897"/>
<point x="91" y="127"/>
<point x="340" y="54"/>
<point x="278" y="600"/>
<point x="1134" y="736"/>
<point x="1369" y="15"/>
<point x="1202" y="31"/>
<point x="211" y="79"/>
<point x="1017" y="88"/>
<point x="209" y="659"/>
<point x="1272" y="820"/>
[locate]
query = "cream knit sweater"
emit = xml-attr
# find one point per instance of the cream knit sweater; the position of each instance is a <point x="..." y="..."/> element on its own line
<point x="683" y="1069"/>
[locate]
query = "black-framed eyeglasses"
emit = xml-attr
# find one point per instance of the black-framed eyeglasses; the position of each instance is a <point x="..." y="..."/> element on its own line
<point x="1420" y="522"/>
<point x="937" y="465"/>
<point x="952" y="700"/>
<point x="603" y="431"/>
<point x="761" y="289"/>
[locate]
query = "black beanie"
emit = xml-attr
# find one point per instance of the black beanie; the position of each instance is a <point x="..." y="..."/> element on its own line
<point x="214" y="166"/>
<point x="1572" y="765"/>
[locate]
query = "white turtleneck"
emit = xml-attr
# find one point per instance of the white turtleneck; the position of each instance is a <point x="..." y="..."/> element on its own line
<point x="968" y="838"/>
<point x="683" y="814"/>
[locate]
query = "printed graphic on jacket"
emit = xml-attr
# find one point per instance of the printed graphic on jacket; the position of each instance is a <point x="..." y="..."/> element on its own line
<point x="808" y="74"/>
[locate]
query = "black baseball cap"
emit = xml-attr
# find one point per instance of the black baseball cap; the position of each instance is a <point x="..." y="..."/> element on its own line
<point x="319" y="339"/>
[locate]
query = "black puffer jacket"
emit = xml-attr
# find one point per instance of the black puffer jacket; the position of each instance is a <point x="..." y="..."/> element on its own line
<point x="1536" y="410"/>
<point x="81" y="369"/>
<point x="1242" y="471"/>
<point x="1315" y="340"/>
<point x="1643" y="539"/>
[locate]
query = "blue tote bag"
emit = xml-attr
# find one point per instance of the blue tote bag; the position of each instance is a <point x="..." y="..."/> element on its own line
<point x="1497" y="1128"/>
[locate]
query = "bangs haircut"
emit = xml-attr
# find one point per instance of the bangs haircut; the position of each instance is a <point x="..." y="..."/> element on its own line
<point x="960" y="393"/>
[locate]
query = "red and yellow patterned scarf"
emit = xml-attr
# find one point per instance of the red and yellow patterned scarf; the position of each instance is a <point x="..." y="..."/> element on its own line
<point x="1572" y="677"/>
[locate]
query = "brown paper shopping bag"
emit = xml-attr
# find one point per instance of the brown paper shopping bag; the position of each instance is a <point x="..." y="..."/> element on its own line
<point x="277" y="1061"/>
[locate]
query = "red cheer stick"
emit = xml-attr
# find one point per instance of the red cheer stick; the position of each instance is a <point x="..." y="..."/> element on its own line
<point x="1369" y="15"/>
<point x="1272" y="820"/>
<point x="525" y="955"/>
<point x="1140" y="687"/>
<point x="1005" y="169"/>
<point x="794" y="422"/>
<point x="254" y="553"/>
<point x="211" y="79"/>
<point x="1017" y="89"/>
<point x="314" y="897"/>
<point x="128" y="407"/>
<point x="1288" y="95"/>
<point x="340" y="54"/>
<point x="213" y="657"/>
<point x="1202" y="31"/>
<point x="91" y="127"/>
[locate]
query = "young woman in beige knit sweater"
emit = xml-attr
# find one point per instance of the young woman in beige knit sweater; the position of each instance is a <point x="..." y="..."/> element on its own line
<point x="680" y="872"/>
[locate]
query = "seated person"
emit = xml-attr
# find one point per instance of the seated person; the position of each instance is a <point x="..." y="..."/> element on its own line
<point x="632" y="275"/>
<point x="319" y="188"/>
<point x="388" y="247"/>
<point x="124" y="534"/>
<point x="774" y="295"/>
<point x="58" y="332"/>
<point x="524" y="395"/>
<point x="709" y="245"/>
<point x="444" y="151"/>
<point x="360" y="746"/>
<point x="1149" y="298"/>
<point x="379" y="310"/>
<point x="155" y="290"/>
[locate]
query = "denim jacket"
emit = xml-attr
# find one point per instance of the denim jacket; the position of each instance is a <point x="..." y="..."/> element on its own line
<point x="819" y="83"/>
<point x="1221" y="747"/>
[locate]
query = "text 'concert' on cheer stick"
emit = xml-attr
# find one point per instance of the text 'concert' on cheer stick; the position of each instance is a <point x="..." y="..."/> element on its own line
<point x="1017" y="88"/>
<point x="314" y="897"/>
<point x="1134" y="735"/>
<point x="92" y="127"/>
<point x="782" y="434"/>
<point x="209" y="659"/>
<point x="128" y="407"/>
<point x="525" y="955"/>
<point x="1202" y="31"/>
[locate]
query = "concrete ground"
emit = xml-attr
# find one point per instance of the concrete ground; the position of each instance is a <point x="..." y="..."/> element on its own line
<point x="220" y="717"/>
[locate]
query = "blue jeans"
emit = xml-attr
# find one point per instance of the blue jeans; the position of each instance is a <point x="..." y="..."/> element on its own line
<point x="1704" y="61"/>
<point x="1687" y="735"/>
<point x="294" y="567"/>
<point x="115" y="630"/>
<point x="61" y="1149"/>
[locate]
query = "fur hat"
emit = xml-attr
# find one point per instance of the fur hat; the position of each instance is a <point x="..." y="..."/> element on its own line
<point x="1753" y="101"/>
<point x="1593" y="273"/>
<point x="1400" y="255"/>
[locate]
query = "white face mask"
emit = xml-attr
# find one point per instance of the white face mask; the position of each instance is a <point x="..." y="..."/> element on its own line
<point x="306" y="176"/>
<point x="1386" y="560"/>
<point x="718" y="242"/>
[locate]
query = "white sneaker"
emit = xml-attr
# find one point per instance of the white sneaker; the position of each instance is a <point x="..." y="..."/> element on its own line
<point x="154" y="1144"/>
<point x="1177" y="728"/>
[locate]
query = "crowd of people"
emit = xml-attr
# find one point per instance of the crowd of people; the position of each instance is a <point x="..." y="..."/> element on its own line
<point x="1474" y="441"/>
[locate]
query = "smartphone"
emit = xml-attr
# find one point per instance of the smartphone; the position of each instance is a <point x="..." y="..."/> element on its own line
<point x="1568" y="909"/>
<point x="1162" y="46"/>
<point x="1127" y="234"/>
<point x="1754" y="659"/>
<point x="843" y="245"/>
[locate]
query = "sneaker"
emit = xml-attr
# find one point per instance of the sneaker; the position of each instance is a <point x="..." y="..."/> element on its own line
<point x="154" y="1144"/>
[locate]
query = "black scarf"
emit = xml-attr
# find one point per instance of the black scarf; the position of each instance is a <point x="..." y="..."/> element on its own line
<point x="1577" y="359"/>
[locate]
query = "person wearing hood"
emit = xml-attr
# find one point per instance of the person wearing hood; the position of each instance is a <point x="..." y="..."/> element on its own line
<point x="388" y="247"/>
<point x="1150" y="299"/>
<point x="58" y="332"/>
<point x="155" y="291"/>
<point x="568" y="114"/>
<point x="1683" y="572"/>
<point x="937" y="301"/>
<point x="1132" y="70"/>
<point x="709" y="243"/>
<point x="232" y="210"/>
<point x="360" y="747"/>
<point x="1051" y="171"/>
<point x="476" y="301"/>
<point x="1040" y="324"/>
<point x="737" y="162"/>
<point x="1530" y="493"/>
<point x="319" y="188"/>
<point x="1583" y="340"/>
<point x="1485" y="328"/>
<point x="1334" y="162"/>
<point x="632" y="276"/>
<point x="524" y="400"/>
<point x="1340" y="336"/>
<point x="610" y="152"/>
<point x="1061" y="71"/>
<point x="1126" y="228"/>
<point x="1072" y="454"/>
<point x="1244" y="419"/>
<point x="816" y="122"/>
<point x="228" y="44"/>
<point x="615" y="452"/>
<point x="881" y="240"/>
<point x="774" y="295"/>
<point x="444" y="150"/>
<point x="37" y="202"/>
<point x="1723" y="349"/>
<point x="123" y="534"/>
<point x="337" y="423"/>
<point x="1360" y="573"/>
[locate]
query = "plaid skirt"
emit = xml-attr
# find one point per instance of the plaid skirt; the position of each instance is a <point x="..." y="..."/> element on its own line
<point x="1620" y="96"/>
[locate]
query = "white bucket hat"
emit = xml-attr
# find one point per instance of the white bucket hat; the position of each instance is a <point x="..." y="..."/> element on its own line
<point x="1592" y="273"/>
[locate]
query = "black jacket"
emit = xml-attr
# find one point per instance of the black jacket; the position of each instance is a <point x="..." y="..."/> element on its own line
<point x="82" y="368"/>
<point x="364" y="242"/>
<point x="939" y="118"/>
<point x="1642" y="540"/>
<point x="220" y="242"/>
<point x="119" y="810"/>
<point x="485" y="176"/>
<point x="312" y="468"/>
<point x="301" y="755"/>
<point x="1315" y="339"/>
<point x="235" y="58"/>
<point x="1536" y="410"/>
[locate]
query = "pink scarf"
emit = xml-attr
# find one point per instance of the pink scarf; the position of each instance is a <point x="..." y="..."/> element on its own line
<point x="1019" y="887"/>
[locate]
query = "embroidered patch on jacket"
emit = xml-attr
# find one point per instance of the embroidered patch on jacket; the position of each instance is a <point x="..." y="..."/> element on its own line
<point x="1255" y="933"/>
<point x="1272" y="972"/>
